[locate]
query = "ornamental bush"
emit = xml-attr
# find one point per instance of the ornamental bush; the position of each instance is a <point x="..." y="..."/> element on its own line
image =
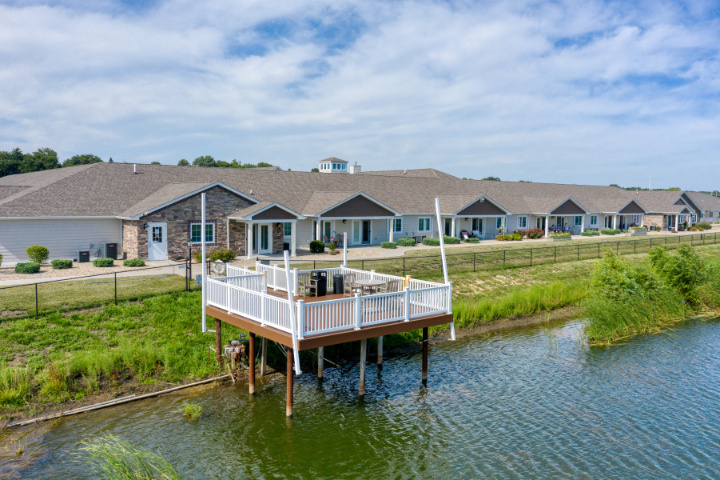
<point x="609" y="231"/>
<point x="332" y="246"/>
<point x="535" y="233"/>
<point x="37" y="253"/>
<point x="103" y="262"/>
<point x="224" y="254"/>
<point x="388" y="245"/>
<point x="472" y="240"/>
<point x="451" y="240"/>
<point x="61" y="264"/>
<point x="134" y="262"/>
<point x="406" y="242"/>
<point x="27" y="267"/>
<point x="432" y="242"/>
<point x="590" y="233"/>
<point x="316" y="246"/>
<point x="703" y="226"/>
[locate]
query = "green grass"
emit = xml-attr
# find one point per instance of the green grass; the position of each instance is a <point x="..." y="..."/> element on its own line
<point x="190" y="410"/>
<point x="115" y="459"/>
<point x="89" y="292"/>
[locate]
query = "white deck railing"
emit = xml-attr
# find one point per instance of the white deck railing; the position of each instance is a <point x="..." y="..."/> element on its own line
<point x="246" y="295"/>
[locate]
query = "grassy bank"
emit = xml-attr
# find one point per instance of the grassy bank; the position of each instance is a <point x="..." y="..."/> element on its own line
<point x="629" y="298"/>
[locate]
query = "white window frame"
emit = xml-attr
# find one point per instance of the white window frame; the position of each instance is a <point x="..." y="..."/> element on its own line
<point x="395" y="223"/>
<point x="522" y="219"/>
<point x="212" y="225"/>
<point x="593" y="220"/>
<point x="424" y="222"/>
<point x="286" y="225"/>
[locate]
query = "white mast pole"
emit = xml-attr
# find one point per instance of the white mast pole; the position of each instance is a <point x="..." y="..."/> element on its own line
<point x="345" y="242"/>
<point x="202" y="267"/>
<point x="293" y="324"/>
<point x="444" y="262"/>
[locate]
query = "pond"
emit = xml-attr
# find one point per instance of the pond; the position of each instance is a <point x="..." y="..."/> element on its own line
<point x="527" y="403"/>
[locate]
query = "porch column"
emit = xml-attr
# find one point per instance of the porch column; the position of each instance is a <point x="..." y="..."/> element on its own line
<point x="390" y="230"/>
<point x="642" y="220"/>
<point x="504" y="223"/>
<point x="547" y="225"/>
<point x="582" y="223"/>
<point x="249" y="237"/>
<point x="293" y="238"/>
<point x="452" y="227"/>
<point x="677" y="222"/>
<point x="318" y="230"/>
<point x="614" y="222"/>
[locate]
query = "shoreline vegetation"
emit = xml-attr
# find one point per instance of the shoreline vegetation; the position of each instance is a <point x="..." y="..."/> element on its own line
<point x="64" y="360"/>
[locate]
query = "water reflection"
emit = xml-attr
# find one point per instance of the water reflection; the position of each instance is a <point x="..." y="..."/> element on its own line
<point x="531" y="403"/>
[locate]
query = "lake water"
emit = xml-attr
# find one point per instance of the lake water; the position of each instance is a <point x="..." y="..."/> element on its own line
<point x="529" y="403"/>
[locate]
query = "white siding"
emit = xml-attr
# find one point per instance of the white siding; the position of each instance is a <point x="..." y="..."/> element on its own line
<point x="304" y="234"/>
<point x="62" y="237"/>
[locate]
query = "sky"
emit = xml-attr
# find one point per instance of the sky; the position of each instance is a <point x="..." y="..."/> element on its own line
<point x="590" y="92"/>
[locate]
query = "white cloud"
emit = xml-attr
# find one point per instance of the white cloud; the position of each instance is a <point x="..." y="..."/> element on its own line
<point x="587" y="92"/>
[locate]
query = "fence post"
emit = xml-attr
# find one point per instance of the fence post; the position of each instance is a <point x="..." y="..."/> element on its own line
<point x="635" y="246"/>
<point x="116" y="289"/>
<point x="598" y="250"/>
<point x="358" y="312"/>
<point x="403" y="266"/>
<point x="362" y="265"/>
<point x="531" y="252"/>
<point x="504" y="257"/>
<point x="474" y="258"/>
<point x="36" y="301"/>
<point x="555" y="257"/>
<point x="617" y="249"/>
<point x="301" y="319"/>
<point x="578" y="252"/>
<point x="407" y="304"/>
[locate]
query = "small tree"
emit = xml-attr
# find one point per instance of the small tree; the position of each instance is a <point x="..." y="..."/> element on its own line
<point x="37" y="253"/>
<point x="183" y="163"/>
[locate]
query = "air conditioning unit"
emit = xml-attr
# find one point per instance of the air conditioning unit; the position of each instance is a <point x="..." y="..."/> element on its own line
<point x="110" y="250"/>
<point x="83" y="256"/>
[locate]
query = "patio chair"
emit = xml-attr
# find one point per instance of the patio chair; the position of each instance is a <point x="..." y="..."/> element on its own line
<point x="303" y="285"/>
<point x="476" y="233"/>
<point x="349" y="286"/>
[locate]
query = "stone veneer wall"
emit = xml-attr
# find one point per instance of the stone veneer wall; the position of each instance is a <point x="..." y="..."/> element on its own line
<point x="277" y="238"/>
<point x="654" y="220"/>
<point x="130" y="238"/>
<point x="237" y="237"/>
<point x="219" y="204"/>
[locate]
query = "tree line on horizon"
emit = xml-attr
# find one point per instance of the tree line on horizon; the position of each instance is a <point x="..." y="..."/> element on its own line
<point x="15" y="161"/>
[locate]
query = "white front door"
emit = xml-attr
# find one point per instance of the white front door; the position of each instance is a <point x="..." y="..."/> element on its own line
<point x="265" y="238"/>
<point x="157" y="241"/>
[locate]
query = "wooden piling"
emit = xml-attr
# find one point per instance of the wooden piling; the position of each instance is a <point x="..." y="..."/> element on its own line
<point x="218" y="340"/>
<point x="321" y="362"/>
<point x="425" y="355"/>
<point x="363" y="355"/>
<point x="290" y="373"/>
<point x="380" y="351"/>
<point x="263" y="357"/>
<point x="251" y="363"/>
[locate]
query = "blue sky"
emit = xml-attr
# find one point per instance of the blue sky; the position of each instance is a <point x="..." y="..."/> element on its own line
<point x="572" y="92"/>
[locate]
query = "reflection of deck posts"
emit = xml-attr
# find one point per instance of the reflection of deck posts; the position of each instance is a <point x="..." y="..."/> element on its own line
<point x="289" y="398"/>
<point x="251" y="363"/>
<point x="380" y="351"/>
<point x="425" y="356"/>
<point x="321" y="362"/>
<point x="218" y="340"/>
<point x="263" y="357"/>
<point x="363" y="356"/>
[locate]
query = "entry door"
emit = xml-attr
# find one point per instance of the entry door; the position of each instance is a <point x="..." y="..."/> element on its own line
<point x="448" y="226"/>
<point x="157" y="241"/>
<point x="356" y="232"/>
<point x="366" y="231"/>
<point x="265" y="240"/>
<point x="328" y="231"/>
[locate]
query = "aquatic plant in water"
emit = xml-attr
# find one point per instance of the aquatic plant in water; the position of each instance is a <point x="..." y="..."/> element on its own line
<point x="192" y="411"/>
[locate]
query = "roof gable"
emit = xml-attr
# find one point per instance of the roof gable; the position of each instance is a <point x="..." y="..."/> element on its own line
<point x="569" y="207"/>
<point x="632" y="208"/>
<point x="358" y="206"/>
<point x="482" y="206"/>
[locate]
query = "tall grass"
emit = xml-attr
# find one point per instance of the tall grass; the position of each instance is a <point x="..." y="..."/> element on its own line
<point x="469" y="311"/>
<point x="116" y="459"/>
<point x="14" y="386"/>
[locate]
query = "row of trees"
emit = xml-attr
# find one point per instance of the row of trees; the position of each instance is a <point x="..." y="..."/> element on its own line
<point x="16" y="161"/>
<point x="208" y="161"/>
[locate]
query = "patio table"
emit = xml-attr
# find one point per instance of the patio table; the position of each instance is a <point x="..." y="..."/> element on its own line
<point x="370" y="286"/>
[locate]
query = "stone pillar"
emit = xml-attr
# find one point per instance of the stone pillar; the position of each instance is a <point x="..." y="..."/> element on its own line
<point x="293" y="238"/>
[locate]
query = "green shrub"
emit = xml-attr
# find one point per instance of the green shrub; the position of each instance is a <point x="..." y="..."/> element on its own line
<point x="27" y="267"/>
<point x="37" y="253"/>
<point x="560" y="234"/>
<point x="684" y="271"/>
<point x="406" y="242"/>
<point x="388" y="245"/>
<point x="61" y="264"/>
<point x="332" y="246"/>
<point x="590" y="233"/>
<point x="14" y="386"/>
<point x="703" y="226"/>
<point x="472" y="240"/>
<point x="432" y="242"/>
<point x="191" y="411"/>
<point x="609" y="231"/>
<point x="223" y="254"/>
<point x="134" y="262"/>
<point x="451" y="240"/>
<point x="535" y="233"/>
<point x="316" y="246"/>
<point x="103" y="262"/>
<point x="516" y="237"/>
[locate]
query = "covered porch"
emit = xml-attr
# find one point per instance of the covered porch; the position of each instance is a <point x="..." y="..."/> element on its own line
<point x="482" y="218"/>
<point x="569" y="216"/>
<point x="262" y="229"/>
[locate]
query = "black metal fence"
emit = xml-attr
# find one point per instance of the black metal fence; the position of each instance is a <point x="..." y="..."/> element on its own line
<point x="558" y="251"/>
<point x="92" y="290"/>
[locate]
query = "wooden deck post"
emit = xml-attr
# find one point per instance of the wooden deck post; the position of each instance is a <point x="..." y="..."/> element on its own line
<point x="218" y="340"/>
<point x="251" y="363"/>
<point x="263" y="357"/>
<point x="321" y="362"/>
<point x="363" y="355"/>
<point x="290" y="373"/>
<point x="425" y="356"/>
<point x="380" y="351"/>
